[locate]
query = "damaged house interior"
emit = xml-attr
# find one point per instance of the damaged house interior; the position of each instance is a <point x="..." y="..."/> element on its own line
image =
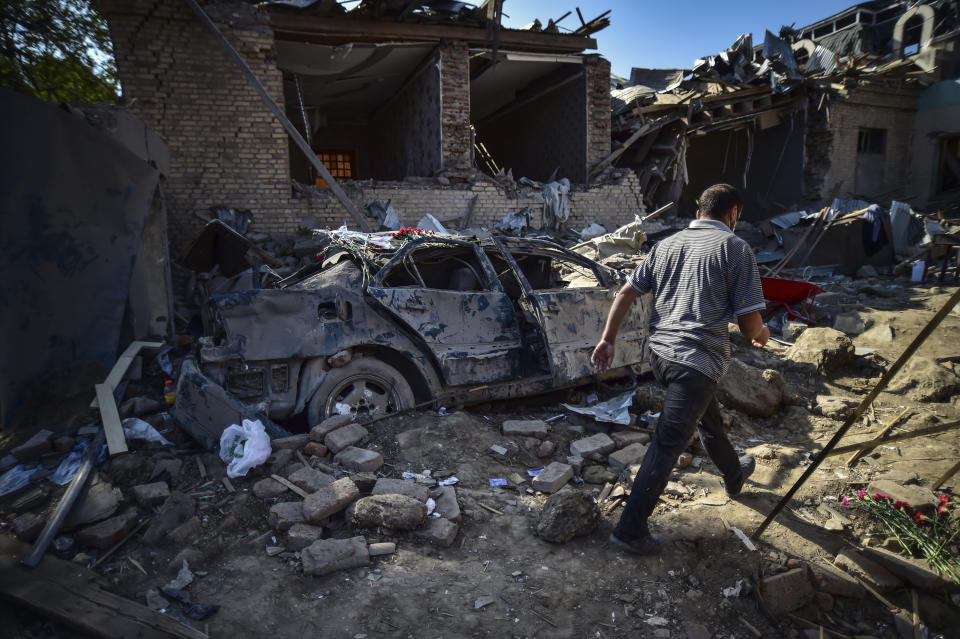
<point x="304" y="301"/>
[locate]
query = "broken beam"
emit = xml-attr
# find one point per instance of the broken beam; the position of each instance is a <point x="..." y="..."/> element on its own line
<point x="123" y="363"/>
<point x="855" y="416"/>
<point x="873" y="443"/>
<point x="281" y="117"/>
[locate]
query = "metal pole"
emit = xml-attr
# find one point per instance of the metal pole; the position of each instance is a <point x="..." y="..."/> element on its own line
<point x="904" y="357"/>
<point x="279" y="114"/>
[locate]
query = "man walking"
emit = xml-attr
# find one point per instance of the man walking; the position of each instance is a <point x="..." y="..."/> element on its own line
<point x="701" y="278"/>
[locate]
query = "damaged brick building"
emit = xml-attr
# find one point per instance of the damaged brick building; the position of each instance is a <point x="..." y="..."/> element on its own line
<point x="393" y="102"/>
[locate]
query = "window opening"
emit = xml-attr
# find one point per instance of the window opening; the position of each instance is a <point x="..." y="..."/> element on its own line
<point x="451" y="268"/>
<point x="872" y="141"/>
<point x="340" y="163"/>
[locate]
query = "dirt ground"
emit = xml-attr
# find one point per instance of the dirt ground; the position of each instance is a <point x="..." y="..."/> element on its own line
<point x="499" y="579"/>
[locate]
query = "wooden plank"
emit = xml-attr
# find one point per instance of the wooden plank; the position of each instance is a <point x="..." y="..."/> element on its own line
<point x="68" y="593"/>
<point x="123" y="363"/>
<point x="116" y="441"/>
<point x="292" y="486"/>
<point x="879" y="438"/>
<point x="923" y="432"/>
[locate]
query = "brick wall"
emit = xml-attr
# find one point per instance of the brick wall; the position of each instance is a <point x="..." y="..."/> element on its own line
<point x="455" y="104"/>
<point x="873" y="108"/>
<point x="597" y="72"/>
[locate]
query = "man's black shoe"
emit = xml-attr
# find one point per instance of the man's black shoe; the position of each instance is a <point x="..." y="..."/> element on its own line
<point x="649" y="545"/>
<point x="747" y="465"/>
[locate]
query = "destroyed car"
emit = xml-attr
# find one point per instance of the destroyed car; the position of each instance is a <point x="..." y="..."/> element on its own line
<point x="377" y="330"/>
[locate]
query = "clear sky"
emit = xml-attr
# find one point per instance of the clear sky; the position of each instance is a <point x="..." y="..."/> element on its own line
<point x="667" y="34"/>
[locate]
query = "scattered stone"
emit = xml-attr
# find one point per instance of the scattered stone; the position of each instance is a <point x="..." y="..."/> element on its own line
<point x="787" y="591"/>
<point x="393" y="511"/>
<point x="568" y="514"/>
<point x="64" y="443"/>
<point x="185" y="532"/>
<point x="382" y="548"/>
<point x="926" y="381"/>
<point x="268" y="488"/>
<point x="177" y="509"/>
<point x="359" y="460"/>
<point x="329" y="555"/>
<point x="546" y="449"/>
<point x="553" y="477"/>
<point x="750" y="390"/>
<point x="279" y="460"/>
<point x="408" y="487"/>
<point x="632" y="454"/>
<point x="879" y="334"/>
<point x="791" y="331"/>
<point x="284" y="515"/>
<point x="330" y="424"/>
<point x="36" y="496"/>
<point x="526" y="428"/>
<point x="137" y="406"/>
<point x="825" y="601"/>
<point x="34" y="447"/>
<point x="438" y="530"/>
<point x="301" y="535"/>
<point x="836" y="407"/>
<point x="576" y="463"/>
<point x="364" y="481"/>
<point x="344" y="437"/>
<point x="595" y="444"/>
<point x="108" y="532"/>
<point x="784" y="455"/>
<point x="623" y="438"/>
<point x="293" y="442"/>
<point x="918" y="497"/>
<point x="330" y="500"/>
<point x="28" y="526"/>
<point x="914" y="571"/>
<point x="598" y="475"/>
<point x="850" y="323"/>
<point x="315" y="449"/>
<point x="867" y="271"/>
<point x="156" y="601"/>
<point x="310" y="479"/>
<point x="878" y="577"/>
<point x="170" y="466"/>
<point x="827" y="349"/>
<point x="97" y="501"/>
<point x="696" y="631"/>
<point x="447" y="505"/>
<point x="151" y="494"/>
<point x="684" y="460"/>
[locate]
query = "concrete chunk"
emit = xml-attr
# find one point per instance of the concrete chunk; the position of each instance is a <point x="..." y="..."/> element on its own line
<point x="108" y="532"/>
<point x="438" y="530"/>
<point x="406" y="487"/>
<point x="447" y="505"/>
<point x="185" y="532"/>
<point x="151" y="494"/>
<point x="918" y="497"/>
<point x="345" y="436"/>
<point x="632" y="454"/>
<point x="600" y="444"/>
<point x="836" y="582"/>
<point x="177" y="509"/>
<point x="382" y="548"/>
<point x="359" y="460"/>
<point x="914" y="571"/>
<point x="553" y="477"/>
<point x="391" y="510"/>
<point x="302" y="535"/>
<point x="786" y="591"/>
<point x="329" y="555"/>
<point x="526" y="428"/>
<point x="623" y="438"/>
<point x="284" y="515"/>
<point x="310" y="479"/>
<point x="878" y="577"/>
<point x="330" y="500"/>
<point x="28" y="527"/>
<point x="268" y="488"/>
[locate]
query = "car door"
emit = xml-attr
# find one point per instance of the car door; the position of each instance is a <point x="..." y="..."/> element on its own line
<point x="571" y="295"/>
<point x="446" y="293"/>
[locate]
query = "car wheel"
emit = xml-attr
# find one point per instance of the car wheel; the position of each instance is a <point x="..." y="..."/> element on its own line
<point x="366" y="387"/>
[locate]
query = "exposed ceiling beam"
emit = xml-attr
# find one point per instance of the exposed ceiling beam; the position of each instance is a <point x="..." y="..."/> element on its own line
<point x="295" y="26"/>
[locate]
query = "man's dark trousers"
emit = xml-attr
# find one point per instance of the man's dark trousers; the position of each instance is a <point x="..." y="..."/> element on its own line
<point x="690" y="400"/>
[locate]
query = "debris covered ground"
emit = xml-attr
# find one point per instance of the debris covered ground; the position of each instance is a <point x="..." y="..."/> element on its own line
<point x="484" y="567"/>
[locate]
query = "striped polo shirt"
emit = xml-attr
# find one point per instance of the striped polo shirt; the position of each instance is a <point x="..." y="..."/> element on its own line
<point x="702" y="278"/>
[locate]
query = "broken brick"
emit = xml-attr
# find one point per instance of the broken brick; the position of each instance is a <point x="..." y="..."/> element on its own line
<point x="34" y="447"/>
<point x="293" y="442"/>
<point x="599" y="444"/>
<point x="185" y="532"/>
<point x="786" y="591"/>
<point x="330" y="424"/>
<point x="268" y="488"/>
<point x="359" y="460"/>
<point x="329" y="555"/>
<point x="526" y="428"/>
<point x="27" y="527"/>
<point x="302" y="535"/>
<point x="285" y="514"/>
<point x="438" y="530"/>
<point x="632" y="454"/>
<point x="344" y="437"/>
<point x="623" y="438"/>
<point x="310" y="479"/>
<point x="329" y="500"/>
<point x="315" y="449"/>
<point x="108" y="532"/>
<point x="553" y="477"/>
<point x="406" y="487"/>
<point x="878" y="577"/>
<point x="151" y="494"/>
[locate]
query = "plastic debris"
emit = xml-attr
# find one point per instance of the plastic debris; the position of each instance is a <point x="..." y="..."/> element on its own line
<point x="429" y="223"/>
<point x="244" y="447"/>
<point x="183" y="579"/>
<point x="515" y="223"/>
<point x="497" y="481"/>
<point x="533" y="472"/>
<point x="614" y="410"/>
<point x="431" y="505"/>
<point x="16" y="478"/>
<point x="449" y="481"/>
<point x="743" y="537"/>
<point x="734" y="591"/>
<point x="135" y="428"/>
<point x="69" y="466"/>
<point x="199" y="612"/>
<point x="498" y="449"/>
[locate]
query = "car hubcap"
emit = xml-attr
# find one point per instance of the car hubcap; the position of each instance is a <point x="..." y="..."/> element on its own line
<point x="362" y="396"/>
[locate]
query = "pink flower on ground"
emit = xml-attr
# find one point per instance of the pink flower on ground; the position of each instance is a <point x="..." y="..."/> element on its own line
<point x="861" y="494"/>
<point x="845" y="503"/>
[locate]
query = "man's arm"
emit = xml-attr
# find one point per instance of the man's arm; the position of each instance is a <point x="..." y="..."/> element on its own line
<point x="603" y="354"/>
<point x="751" y="325"/>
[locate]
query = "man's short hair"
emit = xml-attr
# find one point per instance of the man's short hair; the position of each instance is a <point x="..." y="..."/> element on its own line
<point x="718" y="199"/>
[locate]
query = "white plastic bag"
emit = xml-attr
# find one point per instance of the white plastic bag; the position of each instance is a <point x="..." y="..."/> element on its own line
<point x="135" y="428"/>
<point x="244" y="447"/>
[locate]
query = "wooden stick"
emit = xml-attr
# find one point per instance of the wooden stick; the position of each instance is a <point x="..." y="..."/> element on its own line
<point x="229" y="486"/>
<point x="933" y="430"/>
<point x="289" y="484"/>
<point x="855" y="416"/>
<point x="947" y="475"/>
<point x="879" y="438"/>
<point x="895" y="610"/>
<point x="917" y="633"/>
<point x="137" y="564"/>
<point x="117" y="545"/>
<point x="607" y="487"/>
<point x="756" y="633"/>
<point x="490" y="508"/>
<point x="201" y="468"/>
<point x="811" y="624"/>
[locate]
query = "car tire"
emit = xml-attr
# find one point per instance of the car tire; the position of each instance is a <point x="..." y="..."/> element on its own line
<point x="367" y="385"/>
